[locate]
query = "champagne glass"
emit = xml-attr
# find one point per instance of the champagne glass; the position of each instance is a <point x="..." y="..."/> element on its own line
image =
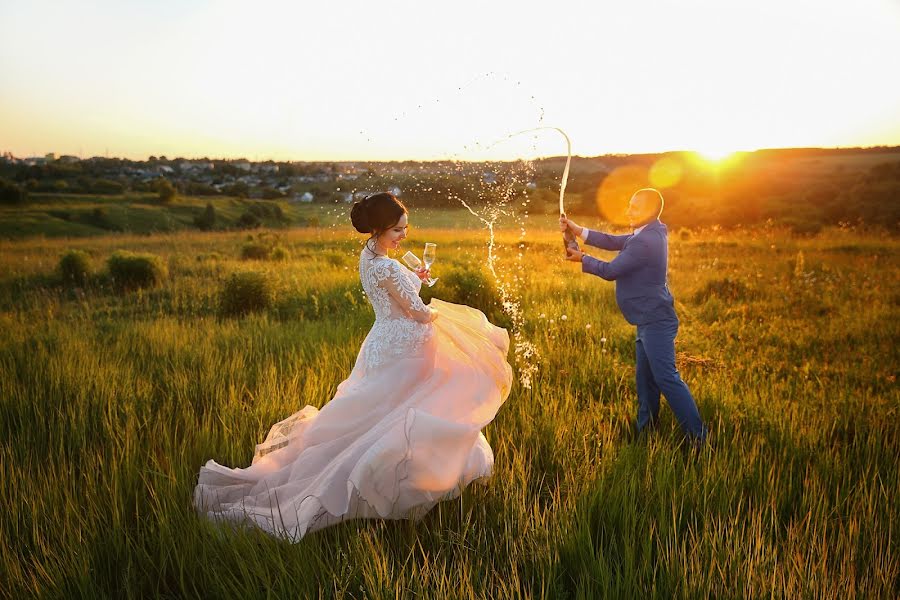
<point x="412" y="261"/>
<point x="428" y="257"/>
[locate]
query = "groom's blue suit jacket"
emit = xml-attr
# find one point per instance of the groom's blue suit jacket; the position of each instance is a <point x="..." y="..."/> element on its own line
<point x="639" y="270"/>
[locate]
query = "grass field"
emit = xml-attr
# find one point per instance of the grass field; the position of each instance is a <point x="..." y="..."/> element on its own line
<point x="72" y="215"/>
<point x="110" y="402"/>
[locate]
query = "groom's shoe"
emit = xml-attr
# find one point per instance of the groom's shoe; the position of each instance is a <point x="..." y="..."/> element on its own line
<point x="693" y="446"/>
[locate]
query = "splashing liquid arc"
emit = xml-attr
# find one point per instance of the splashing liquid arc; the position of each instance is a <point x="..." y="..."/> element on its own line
<point x="526" y="352"/>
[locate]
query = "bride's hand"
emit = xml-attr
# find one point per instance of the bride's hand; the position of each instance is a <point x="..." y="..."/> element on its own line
<point x="434" y="313"/>
<point x="423" y="274"/>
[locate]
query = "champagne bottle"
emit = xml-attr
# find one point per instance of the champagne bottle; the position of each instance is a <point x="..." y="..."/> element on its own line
<point x="569" y="240"/>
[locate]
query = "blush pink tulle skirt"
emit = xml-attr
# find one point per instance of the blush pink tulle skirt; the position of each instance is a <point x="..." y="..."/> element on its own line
<point x="395" y="440"/>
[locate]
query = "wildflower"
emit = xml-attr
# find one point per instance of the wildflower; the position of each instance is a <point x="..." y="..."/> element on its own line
<point x="564" y="318"/>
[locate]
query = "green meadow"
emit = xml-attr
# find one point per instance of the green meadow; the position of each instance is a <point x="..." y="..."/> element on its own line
<point x="111" y="399"/>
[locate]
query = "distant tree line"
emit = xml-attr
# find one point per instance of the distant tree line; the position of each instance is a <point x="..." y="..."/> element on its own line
<point x="806" y="188"/>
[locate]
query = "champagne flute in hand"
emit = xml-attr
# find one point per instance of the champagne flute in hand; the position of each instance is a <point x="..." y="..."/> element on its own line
<point x="413" y="262"/>
<point x="428" y="258"/>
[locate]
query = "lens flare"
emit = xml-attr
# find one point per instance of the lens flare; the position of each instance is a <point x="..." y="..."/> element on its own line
<point x="666" y="172"/>
<point x="616" y="189"/>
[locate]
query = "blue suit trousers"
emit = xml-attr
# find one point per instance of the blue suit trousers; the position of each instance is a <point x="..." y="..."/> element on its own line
<point x="656" y="372"/>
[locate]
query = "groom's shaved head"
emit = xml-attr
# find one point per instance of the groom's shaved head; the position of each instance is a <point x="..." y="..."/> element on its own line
<point x="651" y="199"/>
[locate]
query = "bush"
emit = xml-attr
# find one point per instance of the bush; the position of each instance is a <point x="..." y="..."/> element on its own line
<point x="279" y="252"/>
<point x="10" y="193"/>
<point x="264" y="247"/>
<point x="165" y="189"/>
<point x="255" y="251"/>
<point x="239" y="189"/>
<point x="207" y="219"/>
<point x="195" y="188"/>
<point x="98" y="218"/>
<point x="105" y="186"/>
<point x="246" y="292"/>
<point x="248" y="221"/>
<point x="75" y="267"/>
<point x="266" y="210"/>
<point x="130" y="270"/>
<point x="466" y="287"/>
<point x="319" y="304"/>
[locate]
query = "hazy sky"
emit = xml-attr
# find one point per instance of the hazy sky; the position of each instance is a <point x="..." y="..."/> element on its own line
<point x="394" y="80"/>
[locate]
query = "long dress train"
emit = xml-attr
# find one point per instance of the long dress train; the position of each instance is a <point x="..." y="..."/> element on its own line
<point x="402" y="432"/>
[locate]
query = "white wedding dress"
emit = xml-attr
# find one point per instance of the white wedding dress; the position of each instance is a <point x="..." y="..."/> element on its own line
<point x="401" y="433"/>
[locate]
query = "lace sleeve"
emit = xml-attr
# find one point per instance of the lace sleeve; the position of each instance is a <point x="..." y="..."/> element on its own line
<point x="402" y="290"/>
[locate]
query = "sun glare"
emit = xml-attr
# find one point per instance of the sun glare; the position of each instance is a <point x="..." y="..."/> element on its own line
<point x="715" y="153"/>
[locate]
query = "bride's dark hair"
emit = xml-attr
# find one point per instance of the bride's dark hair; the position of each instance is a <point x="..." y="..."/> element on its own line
<point x="376" y="213"/>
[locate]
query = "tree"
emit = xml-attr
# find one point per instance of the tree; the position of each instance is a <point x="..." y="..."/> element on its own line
<point x="238" y="188"/>
<point x="10" y="193"/>
<point x="207" y="219"/>
<point x="166" y="190"/>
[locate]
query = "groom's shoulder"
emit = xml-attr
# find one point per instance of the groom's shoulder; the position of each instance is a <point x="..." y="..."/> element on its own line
<point x="659" y="228"/>
<point x="655" y="234"/>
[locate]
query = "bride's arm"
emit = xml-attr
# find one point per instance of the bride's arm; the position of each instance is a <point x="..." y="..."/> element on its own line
<point x="404" y="293"/>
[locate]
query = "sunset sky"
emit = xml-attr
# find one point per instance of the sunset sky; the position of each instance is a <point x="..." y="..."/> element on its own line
<point x="420" y="80"/>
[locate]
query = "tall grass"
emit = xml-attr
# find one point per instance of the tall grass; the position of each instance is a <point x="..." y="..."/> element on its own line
<point x="109" y="404"/>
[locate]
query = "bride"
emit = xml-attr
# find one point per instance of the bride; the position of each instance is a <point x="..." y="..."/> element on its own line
<point x="402" y="432"/>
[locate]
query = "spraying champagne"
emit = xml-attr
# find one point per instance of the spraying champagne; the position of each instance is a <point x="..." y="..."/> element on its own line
<point x="569" y="241"/>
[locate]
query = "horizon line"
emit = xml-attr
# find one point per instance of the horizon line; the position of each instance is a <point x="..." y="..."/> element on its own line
<point x="4" y="153"/>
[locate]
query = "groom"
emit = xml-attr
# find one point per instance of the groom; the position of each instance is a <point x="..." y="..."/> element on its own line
<point x="642" y="294"/>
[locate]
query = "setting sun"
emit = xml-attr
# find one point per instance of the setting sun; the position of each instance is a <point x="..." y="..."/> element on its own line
<point x="715" y="153"/>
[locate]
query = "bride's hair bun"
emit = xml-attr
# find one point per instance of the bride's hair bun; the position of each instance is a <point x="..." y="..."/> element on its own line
<point x="359" y="216"/>
<point x="376" y="213"/>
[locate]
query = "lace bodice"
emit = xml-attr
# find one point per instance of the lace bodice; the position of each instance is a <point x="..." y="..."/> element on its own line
<point x="402" y="320"/>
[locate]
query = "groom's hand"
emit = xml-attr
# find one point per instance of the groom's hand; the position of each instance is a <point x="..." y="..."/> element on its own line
<point x="574" y="255"/>
<point x="565" y="223"/>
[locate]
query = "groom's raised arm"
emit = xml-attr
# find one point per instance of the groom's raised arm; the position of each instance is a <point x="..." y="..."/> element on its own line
<point x="604" y="241"/>
<point x="637" y="253"/>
